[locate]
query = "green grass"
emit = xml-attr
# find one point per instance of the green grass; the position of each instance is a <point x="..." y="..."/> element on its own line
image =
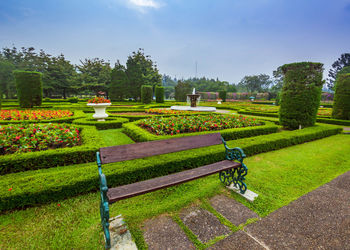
<point x="114" y="137"/>
<point x="279" y="177"/>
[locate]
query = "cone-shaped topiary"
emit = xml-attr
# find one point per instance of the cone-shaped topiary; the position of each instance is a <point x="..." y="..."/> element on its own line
<point x="146" y="94"/>
<point x="222" y="95"/>
<point x="159" y="94"/>
<point x="29" y="86"/>
<point x="301" y="94"/>
<point x="341" y="105"/>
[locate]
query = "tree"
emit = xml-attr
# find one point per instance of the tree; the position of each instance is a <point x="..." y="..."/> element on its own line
<point x="341" y="105"/>
<point x="255" y="83"/>
<point x="341" y="62"/>
<point x="118" y="88"/>
<point x="95" y="74"/>
<point x="7" y="85"/>
<point x="141" y="71"/>
<point x="181" y="91"/>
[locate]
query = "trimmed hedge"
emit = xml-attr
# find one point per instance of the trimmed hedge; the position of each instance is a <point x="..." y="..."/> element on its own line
<point x="109" y="123"/>
<point x="301" y="94"/>
<point x="146" y="94"/>
<point x="222" y="95"/>
<point x="29" y="86"/>
<point x="47" y="185"/>
<point x="54" y="157"/>
<point x="139" y="134"/>
<point x="159" y="94"/>
<point x="77" y="114"/>
<point x="341" y="105"/>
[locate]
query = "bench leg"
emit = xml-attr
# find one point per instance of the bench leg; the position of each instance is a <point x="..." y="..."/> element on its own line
<point x="235" y="176"/>
<point x="104" y="204"/>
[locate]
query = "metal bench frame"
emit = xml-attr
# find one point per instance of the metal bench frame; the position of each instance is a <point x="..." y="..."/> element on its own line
<point x="227" y="177"/>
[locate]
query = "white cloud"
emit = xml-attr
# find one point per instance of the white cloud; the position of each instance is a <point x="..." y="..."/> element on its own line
<point x="145" y="3"/>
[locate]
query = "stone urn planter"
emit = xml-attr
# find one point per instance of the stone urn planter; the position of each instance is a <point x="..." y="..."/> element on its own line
<point x="99" y="104"/>
<point x="100" y="111"/>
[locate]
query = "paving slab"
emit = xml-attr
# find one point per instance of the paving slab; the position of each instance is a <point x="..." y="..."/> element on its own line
<point x="232" y="210"/>
<point x="238" y="240"/>
<point x="319" y="219"/>
<point x="341" y="182"/>
<point x="203" y="223"/>
<point x="163" y="233"/>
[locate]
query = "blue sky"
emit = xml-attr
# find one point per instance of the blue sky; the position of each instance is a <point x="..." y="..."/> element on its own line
<point x="227" y="38"/>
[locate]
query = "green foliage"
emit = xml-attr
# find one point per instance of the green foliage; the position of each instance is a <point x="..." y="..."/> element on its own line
<point x="6" y="78"/>
<point x="181" y="91"/>
<point x="146" y="94"/>
<point x="222" y="95"/>
<point x="29" y="88"/>
<point x="91" y="142"/>
<point x="159" y="94"/>
<point x="141" y="71"/>
<point x="45" y="185"/>
<point x="114" y="137"/>
<point x="301" y="94"/>
<point x="337" y="66"/>
<point x="109" y="123"/>
<point x="255" y="83"/>
<point x="341" y="105"/>
<point x="73" y="100"/>
<point x="118" y="89"/>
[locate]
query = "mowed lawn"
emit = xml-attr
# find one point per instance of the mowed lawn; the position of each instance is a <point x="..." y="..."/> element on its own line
<point x="279" y="177"/>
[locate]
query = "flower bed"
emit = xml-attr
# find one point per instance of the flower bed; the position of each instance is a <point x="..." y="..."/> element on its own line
<point x="168" y="112"/>
<point x="18" y="115"/>
<point x="36" y="137"/>
<point x="196" y="123"/>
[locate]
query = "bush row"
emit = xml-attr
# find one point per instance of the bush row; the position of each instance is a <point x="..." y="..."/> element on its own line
<point x="139" y="134"/>
<point x="109" y="123"/>
<point x="46" y="185"/>
<point x="91" y="142"/>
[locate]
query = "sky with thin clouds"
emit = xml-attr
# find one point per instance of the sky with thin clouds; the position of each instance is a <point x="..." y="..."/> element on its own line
<point x="227" y="38"/>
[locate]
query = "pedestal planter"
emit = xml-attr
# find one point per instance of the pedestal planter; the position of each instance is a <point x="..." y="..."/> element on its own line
<point x="100" y="111"/>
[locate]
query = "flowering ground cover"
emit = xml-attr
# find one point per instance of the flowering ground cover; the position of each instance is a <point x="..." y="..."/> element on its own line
<point x="17" y="115"/>
<point x="324" y="112"/>
<point x="168" y="112"/>
<point x="35" y="137"/>
<point x="195" y="123"/>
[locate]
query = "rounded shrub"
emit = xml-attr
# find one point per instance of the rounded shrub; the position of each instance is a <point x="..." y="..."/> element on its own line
<point x="301" y="94"/>
<point x="222" y="95"/>
<point x="73" y="100"/>
<point x="341" y="105"/>
<point x="146" y="94"/>
<point x="159" y="94"/>
<point x="29" y="86"/>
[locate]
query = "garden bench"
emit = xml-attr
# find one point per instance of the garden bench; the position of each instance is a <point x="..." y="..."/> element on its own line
<point x="230" y="171"/>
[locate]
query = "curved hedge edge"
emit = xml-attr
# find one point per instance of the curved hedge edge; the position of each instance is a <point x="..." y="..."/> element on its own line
<point x="54" y="157"/>
<point x="139" y="134"/>
<point x="334" y="121"/>
<point x="257" y="113"/>
<point x="77" y="114"/>
<point x="110" y="122"/>
<point x="47" y="185"/>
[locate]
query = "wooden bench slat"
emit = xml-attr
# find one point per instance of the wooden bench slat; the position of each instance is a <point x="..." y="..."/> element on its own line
<point x="146" y="149"/>
<point x="130" y="190"/>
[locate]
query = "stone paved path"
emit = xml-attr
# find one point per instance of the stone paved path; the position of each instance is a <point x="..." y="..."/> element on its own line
<point x="317" y="220"/>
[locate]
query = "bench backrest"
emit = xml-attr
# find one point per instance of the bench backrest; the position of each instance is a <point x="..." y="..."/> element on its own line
<point x="151" y="148"/>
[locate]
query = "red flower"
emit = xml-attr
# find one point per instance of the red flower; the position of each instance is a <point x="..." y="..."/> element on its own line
<point x="58" y="204"/>
<point x="10" y="189"/>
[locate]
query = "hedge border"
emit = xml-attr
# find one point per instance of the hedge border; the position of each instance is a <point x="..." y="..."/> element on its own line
<point x="109" y="123"/>
<point x="91" y="142"/>
<point x="139" y="134"/>
<point x="76" y="115"/>
<point x="47" y="185"/>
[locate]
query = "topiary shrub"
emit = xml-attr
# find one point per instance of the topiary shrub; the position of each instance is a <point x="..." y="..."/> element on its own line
<point x="29" y="86"/>
<point x="146" y="94"/>
<point x="181" y="91"/>
<point x="301" y="94"/>
<point x="222" y="95"/>
<point x="159" y="94"/>
<point x="341" y="105"/>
